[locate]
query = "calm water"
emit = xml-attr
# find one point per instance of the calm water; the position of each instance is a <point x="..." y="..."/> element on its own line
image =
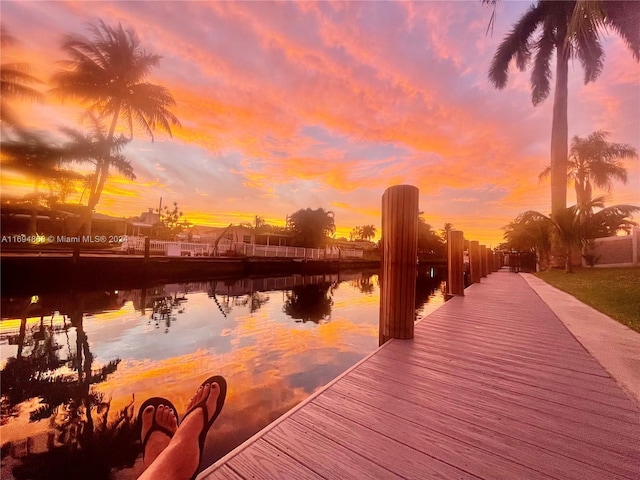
<point x="75" y="367"/>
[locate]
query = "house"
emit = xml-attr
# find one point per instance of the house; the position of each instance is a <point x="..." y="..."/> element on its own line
<point x="232" y="236"/>
<point x="143" y="225"/>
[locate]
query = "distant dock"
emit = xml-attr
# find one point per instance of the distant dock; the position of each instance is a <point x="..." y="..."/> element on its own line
<point x="493" y="386"/>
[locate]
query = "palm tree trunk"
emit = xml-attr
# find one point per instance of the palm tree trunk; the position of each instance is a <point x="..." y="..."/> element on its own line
<point x="560" y="135"/>
<point x="568" y="267"/>
<point x="102" y="172"/>
<point x="85" y="226"/>
<point x="560" y="139"/>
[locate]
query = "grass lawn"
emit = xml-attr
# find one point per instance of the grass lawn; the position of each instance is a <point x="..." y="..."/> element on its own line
<point x="613" y="291"/>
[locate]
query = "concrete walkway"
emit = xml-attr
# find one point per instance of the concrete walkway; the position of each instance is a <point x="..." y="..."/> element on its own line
<point x="615" y="346"/>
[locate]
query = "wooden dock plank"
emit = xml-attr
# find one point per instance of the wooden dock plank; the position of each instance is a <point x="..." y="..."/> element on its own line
<point x="519" y="356"/>
<point x="572" y="428"/>
<point x="507" y="345"/>
<point x="266" y="461"/>
<point x="495" y="371"/>
<point x="415" y="375"/>
<point x="467" y="351"/>
<point x="467" y="456"/>
<point x="377" y="447"/>
<point x="322" y="455"/>
<point x="425" y="426"/>
<point x="225" y="472"/>
<point x="411" y="450"/>
<point x="492" y="386"/>
<point x="478" y="415"/>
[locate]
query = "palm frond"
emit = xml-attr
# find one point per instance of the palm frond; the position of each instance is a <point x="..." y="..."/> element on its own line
<point x="590" y="53"/>
<point x="624" y="18"/>
<point x="150" y="105"/>
<point x="515" y="45"/>
<point x="34" y="155"/>
<point x="541" y="72"/>
<point x="122" y="165"/>
<point x="610" y="220"/>
<point x="595" y="159"/>
<point x="544" y="174"/>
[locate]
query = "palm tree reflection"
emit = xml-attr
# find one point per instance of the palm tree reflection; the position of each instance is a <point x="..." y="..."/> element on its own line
<point x="310" y="303"/>
<point x="365" y="284"/>
<point x="82" y="442"/>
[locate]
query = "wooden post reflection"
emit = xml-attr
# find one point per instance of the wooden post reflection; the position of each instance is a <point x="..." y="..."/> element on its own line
<point x="399" y="262"/>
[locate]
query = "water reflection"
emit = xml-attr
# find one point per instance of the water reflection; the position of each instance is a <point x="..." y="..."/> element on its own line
<point x="75" y="367"/>
<point x="58" y="385"/>
<point x="310" y="303"/>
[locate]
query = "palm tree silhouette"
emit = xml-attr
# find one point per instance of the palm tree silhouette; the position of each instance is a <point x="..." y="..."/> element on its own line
<point x="310" y="227"/>
<point x="83" y="442"/>
<point x="577" y="225"/>
<point x="89" y="147"/>
<point x="527" y="233"/>
<point x="570" y="29"/>
<point x="107" y="72"/>
<point x="14" y="83"/>
<point x="309" y="303"/>
<point x="595" y="162"/>
<point x="367" y="232"/>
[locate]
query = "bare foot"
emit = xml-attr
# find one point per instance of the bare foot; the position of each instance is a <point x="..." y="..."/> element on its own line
<point x="158" y="440"/>
<point x="181" y="459"/>
<point x="194" y="422"/>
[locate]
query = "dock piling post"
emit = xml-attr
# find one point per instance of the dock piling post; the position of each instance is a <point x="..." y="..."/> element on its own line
<point x="474" y="261"/>
<point x="483" y="260"/>
<point x="399" y="262"/>
<point x="455" y="259"/>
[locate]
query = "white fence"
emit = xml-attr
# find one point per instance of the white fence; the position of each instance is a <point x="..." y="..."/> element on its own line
<point x="169" y="248"/>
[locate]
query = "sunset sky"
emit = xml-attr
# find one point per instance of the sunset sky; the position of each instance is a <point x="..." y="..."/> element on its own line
<point x="291" y="105"/>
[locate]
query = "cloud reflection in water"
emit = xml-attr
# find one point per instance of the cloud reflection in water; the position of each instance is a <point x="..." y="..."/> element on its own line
<point x="275" y="347"/>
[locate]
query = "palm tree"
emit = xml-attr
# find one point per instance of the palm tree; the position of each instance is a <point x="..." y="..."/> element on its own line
<point x="38" y="158"/>
<point x="530" y="234"/>
<point x="89" y="147"/>
<point x="311" y="227"/>
<point x="108" y="72"/>
<point x="14" y="80"/>
<point x="257" y="225"/>
<point x="570" y="29"/>
<point x="570" y="228"/>
<point x="447" y="227"/>
<point x="595" y="162"/>
<point x="367" y="232"/>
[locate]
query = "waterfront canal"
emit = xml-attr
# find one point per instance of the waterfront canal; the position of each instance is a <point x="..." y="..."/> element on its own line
<point x="75" y="366"/>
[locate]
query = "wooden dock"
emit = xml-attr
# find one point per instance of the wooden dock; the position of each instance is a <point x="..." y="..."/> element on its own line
<point x="493" y="386"/>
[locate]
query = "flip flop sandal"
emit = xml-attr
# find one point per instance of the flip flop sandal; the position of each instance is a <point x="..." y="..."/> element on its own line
<point x="156" y="402"/>
<point x="203" y="405"/>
